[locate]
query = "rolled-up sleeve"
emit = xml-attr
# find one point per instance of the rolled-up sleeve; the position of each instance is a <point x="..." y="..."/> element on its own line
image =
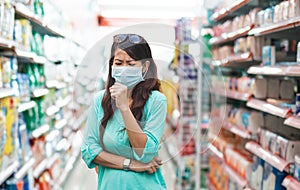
<point x="91" y="147"/>
<point x="153" y="128"/>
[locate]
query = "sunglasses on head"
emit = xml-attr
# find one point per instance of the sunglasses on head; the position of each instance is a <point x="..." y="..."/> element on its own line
<point x="133" y="38"/>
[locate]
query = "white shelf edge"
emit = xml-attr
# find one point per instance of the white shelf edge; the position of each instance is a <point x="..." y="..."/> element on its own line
<point x="8" y="171"/>
<point x="26" y="106"/>
<point x="22" y="172"/>
<point x="6" y="92"/>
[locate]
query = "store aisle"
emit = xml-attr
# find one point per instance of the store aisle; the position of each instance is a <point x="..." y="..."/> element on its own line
<point x="83" y="178"/>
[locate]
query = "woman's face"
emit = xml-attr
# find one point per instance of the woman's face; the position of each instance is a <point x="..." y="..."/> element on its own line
<point x="123" y="59"/>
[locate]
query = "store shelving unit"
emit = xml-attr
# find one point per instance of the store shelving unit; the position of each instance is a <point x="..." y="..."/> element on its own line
<point x="291" y="183"/>
<point x="238" y="60"/>
<point x="9" y="171"/>
<point x="6" y="92"/>
<point x="288" y="29"/>
<point x="231" y="36"/>
<point x="247" y="63"/>
<point x="232" y="10"/>
<point x="291" y="71"/>
<point x="293" y="121"/>
<point x="240" y="131"/>
<point x="40" y="131"/>
<point x="26" y="106"/>
<point x="233" y="94"/>
<point x="266" y="155"/>
<point x="269" y="108"/>
<point x="24" y="169"/>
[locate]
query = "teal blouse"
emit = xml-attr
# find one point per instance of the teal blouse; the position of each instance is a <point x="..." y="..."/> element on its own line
<point x="116" y="141"/>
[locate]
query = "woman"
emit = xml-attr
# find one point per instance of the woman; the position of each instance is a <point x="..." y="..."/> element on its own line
<point x="126" y="120"/>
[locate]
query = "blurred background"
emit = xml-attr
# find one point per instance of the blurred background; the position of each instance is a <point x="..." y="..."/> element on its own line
<point x="229" y="69"/>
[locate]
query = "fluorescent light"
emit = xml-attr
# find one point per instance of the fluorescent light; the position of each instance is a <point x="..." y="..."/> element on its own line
<point x="146" y="14"/>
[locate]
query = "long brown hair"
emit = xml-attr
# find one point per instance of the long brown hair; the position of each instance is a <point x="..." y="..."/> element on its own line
<point x="141" y="92"/>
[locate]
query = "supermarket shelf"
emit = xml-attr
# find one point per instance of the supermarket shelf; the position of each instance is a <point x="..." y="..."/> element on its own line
<point x="216" y="152"/>
<point x="67" y="170"/>
<point x="272" y="159"/>
<point x="6" y="92"/>
<point x="229" y="11"/>
<point x="235" y="176"/>
<point x="240" y="131"/>
<point x="40" y="92"/>
<point x="51" y="83"/>
<point x="293" y="121"/>
<point x="234" y="95"/>
<point x="291" y="183"/>
<point x="26" y="106"/>
<point x="275" y="70"/>
<point x="269" y="108"/>
<point x="40" y="168"/>
<point x="231" y="36"/>
<point x="51" y="160"/>
<point x="288" y="29"/>
<point x="37" y="23"/>
<point x="29" y="57"/>
<point x="60" y="124"/>
<point x="40" y="131"/>
<point x="24" y="169"/>
<point x="8" y="171"/>
<point x="55" y="84"/>
<point x="243" y="60"/>
<point x="7" y="44"/>
<point x="52" y="110"/>
<point x="63" y="144"/>
<point x="52" y="135"/>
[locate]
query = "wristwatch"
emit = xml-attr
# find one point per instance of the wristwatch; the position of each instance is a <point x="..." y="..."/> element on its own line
<point x="126" y="164"/>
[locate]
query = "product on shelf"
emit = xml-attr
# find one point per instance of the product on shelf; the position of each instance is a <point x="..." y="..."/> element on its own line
<point x="24" y="88"/>
<point x="257" y="172"/>
<point x="272" y="178"/>
<point x="7" y="20"/>
<point x="268" y="55"/>
<point x="297" y="167"/>
<point x="11" y="146"/>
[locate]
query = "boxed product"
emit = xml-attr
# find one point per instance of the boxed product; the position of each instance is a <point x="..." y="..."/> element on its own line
<point x="268" y="140"/>
<point x="268" y="55"/>
<point x="287" y="149"/>
<point x="297" y="167"/>
<point x="273" y="88"/>
<point x="287" y="91"/>
<point x="256" y="176"/>
<point x="272" y="178"/>
<point x="260" y="88"/>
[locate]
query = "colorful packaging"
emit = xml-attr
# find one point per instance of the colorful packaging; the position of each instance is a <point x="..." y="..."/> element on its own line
<point x="268" y="55"/>
<point x="297" y="104"/>
<point x="297" y="167"/>
<point x="273" y="178"/>
<point x="2" y="136"/>
<point x="287" y="149"/>
<point x="257" y="173"/>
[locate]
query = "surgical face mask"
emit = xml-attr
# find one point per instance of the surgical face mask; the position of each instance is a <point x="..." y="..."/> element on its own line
<point x="127" y="75"/>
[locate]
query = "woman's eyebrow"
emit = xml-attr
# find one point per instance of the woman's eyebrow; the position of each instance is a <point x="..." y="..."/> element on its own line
<point x="127" y="61"/>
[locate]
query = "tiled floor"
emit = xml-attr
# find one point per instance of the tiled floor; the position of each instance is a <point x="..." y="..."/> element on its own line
<point x="82" y="178"/>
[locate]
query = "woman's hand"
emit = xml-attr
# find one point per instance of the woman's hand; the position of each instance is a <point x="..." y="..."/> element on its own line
<point x="119" y="94"/>
<point x="150" y="167"/>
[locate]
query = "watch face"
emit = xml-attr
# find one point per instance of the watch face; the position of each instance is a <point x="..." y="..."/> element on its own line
<point x="126" y="162"/>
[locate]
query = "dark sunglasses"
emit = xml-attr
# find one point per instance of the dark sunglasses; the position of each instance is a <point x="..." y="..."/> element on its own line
<point x="133" y="38"/>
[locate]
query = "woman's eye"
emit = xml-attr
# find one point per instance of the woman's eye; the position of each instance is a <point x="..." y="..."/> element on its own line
<point x="131" y="64"/>
<point x="118" y="63"/>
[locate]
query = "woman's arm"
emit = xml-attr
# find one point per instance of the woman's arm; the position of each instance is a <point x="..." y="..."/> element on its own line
<point x="137" y="137"/>
<point x="109" y="160"/>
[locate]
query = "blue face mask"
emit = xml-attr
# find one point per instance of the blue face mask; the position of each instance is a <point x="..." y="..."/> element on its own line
<point x="128" y="76"/>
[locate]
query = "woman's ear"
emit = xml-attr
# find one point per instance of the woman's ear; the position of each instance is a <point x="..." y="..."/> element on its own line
<point x="146" y="66"/>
